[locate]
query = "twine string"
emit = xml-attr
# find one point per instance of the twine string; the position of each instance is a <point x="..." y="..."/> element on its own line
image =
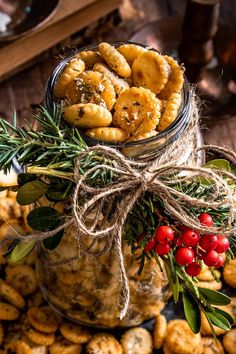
<point x="132" y="179"/>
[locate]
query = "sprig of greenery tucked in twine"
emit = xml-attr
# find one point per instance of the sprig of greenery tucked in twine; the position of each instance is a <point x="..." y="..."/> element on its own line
<point x="103" y="174"/>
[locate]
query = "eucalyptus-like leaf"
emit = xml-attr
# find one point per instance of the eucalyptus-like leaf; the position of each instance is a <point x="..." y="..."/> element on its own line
<point x="57" y="193"/>
<point x="24" y="178"/>
<point x="31" y="192"/>
<point x="44" y="218"/>
<point x="21" y="250"/>
<point x="214" y="297"/>
<point x="225" y="314"/>
<point x="219" y="320"/>
<point x="175" y="290"/>
<point x="52" y="242"/>
<point x="192" y="312"/>
<point x="219" y="164"/>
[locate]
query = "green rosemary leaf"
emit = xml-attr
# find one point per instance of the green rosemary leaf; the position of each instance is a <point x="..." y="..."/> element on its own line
<point x="14" y="119"/>
<point x="6" y="125"/>
<point x="21" y="250"/>
<point x="23" y="133"/>
<point x="192" y="312"/>
<point x="214" y="297"/>
<point x="24" y="153"/>
<point x="30" y="192"/>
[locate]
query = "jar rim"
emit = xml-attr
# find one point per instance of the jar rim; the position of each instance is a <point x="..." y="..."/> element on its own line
<point x="179" y="124"/>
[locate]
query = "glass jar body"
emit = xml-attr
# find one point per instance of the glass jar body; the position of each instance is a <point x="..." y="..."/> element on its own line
<point x="88" y="288"/>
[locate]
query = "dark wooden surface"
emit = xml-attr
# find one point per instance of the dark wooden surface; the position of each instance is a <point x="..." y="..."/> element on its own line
<point x="25" y="90"/>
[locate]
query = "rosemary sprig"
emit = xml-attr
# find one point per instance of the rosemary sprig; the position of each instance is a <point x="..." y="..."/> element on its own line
<point x="50" y="150"/>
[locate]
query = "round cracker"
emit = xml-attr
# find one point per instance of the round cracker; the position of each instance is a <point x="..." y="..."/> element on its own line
<point x="150" y="70"/>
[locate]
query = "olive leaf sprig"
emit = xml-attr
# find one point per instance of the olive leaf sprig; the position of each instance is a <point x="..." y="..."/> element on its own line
<point x="146" y="216"/>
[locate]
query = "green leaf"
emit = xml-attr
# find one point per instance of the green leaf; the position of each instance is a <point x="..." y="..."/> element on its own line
<point x="44" y="218"/>
<point x="56" y="196"/>
<point x="214" y="297"/>
<point x="31" y="192"/>
<point x="3" y="188"/>
<point x="155" y="256"/>
<point x="52" y="242"/>
<point x="192" y="312"/>
<point x="58" y="193"/>
<point x="219" y="164"/>
<point x="175" y="290"/>
<point x="225" y="314"/>
<point x="21" y="250"/>
<point x="219" y="320"/>
<point x="24" y="178"/>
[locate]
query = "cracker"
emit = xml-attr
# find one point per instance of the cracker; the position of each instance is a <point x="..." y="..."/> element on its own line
<point x="131" y="51"/>
<point x="108" y="134"/>
<point x="137" y="341"/>
<point x="137" y="111"/>
<point x="114" y="59"/>
<point x="175" y="80"/>
<point x="70" y="72"/>
<point x="150" y="70"/>
<point x="87" y="115"/>
<point x="75" y="333"/>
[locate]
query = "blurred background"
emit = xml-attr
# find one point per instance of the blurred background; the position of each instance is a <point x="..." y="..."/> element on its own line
<point x="35" y="35"/>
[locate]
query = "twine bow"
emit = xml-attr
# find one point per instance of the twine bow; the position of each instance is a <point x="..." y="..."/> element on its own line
<point x="133" y="179"/>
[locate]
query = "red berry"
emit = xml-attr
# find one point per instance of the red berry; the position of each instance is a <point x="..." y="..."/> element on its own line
<point x="164" y="234"/>
<point x="184" y="255"/>
<point x="220" y="262"/>
<point x="162" y="249"/>
<point x="211" y="258"/>
<point x="193" y="269"/>
<point x="183" y="228"/>
<point x="150" y="245"/>
<point x="208" y="242"/>
<point x="200" y="254"/>
<point x="177" y="241"/>
<point x="190" y="238"/>
<point x="223" y="244"/>
<point x="206" y="219"/>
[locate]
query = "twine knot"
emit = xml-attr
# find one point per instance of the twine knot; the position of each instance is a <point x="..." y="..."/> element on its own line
<point x="145" y="180"/>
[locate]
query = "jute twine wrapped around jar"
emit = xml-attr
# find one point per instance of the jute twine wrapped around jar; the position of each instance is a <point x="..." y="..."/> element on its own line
<point x="133" y="178"/>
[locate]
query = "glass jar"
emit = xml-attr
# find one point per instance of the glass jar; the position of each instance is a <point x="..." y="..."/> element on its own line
<point x="87" y="289"/>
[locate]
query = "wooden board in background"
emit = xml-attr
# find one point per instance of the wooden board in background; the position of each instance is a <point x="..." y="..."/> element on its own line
<point x="71" y="17"/>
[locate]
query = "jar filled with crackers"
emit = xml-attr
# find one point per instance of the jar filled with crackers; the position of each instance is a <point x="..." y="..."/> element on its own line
<point x="130" y="97"/>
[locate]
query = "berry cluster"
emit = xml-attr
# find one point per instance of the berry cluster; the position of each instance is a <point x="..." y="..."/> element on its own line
<point x="190" y="247"/>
